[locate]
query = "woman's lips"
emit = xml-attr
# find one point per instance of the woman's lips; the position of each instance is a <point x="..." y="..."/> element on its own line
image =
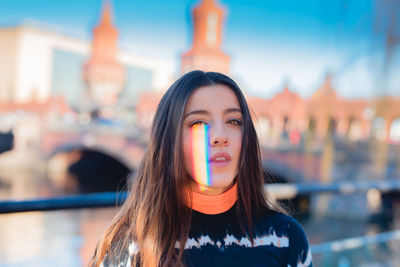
<point x="220" y="159"/>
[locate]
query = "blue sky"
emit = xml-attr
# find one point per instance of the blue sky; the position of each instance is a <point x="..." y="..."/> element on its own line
<point x="271" y="42"/>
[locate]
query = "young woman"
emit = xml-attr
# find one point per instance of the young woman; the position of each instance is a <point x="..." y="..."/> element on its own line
<point x="198" y="198"/>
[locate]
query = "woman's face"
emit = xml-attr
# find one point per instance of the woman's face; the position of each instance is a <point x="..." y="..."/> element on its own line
<point x="212" y="138"/>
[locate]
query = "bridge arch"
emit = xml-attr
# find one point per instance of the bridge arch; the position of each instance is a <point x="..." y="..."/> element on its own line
<point x="75" y="168"/>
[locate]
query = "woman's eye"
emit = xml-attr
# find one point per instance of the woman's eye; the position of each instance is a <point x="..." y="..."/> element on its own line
<point x="197" y="123"/>
<point x="235" y="122"/>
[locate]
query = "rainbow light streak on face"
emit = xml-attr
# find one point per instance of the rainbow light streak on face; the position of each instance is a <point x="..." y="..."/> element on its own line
<point x="200" y="156"/>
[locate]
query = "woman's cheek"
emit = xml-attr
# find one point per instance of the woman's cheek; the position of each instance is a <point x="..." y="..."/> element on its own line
<point x="187" y="153"/>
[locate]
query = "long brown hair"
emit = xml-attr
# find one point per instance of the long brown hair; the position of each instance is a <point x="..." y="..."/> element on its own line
<point x="155" y="215"/>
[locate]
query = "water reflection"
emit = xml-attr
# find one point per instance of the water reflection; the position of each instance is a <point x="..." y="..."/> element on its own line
<point x="55" y="238"/>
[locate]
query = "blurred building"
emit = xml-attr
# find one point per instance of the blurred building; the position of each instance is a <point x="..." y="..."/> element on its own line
<point x="52" y="83"/>
<point x="104" y="75"/>
<point x="205" y="53"/>
<point x="287" y="114"/>
<point x="39" y="61"/>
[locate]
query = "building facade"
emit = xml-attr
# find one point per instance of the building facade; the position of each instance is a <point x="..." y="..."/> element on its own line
<point x="40" y="61"/>
<point x="206" y="53"/>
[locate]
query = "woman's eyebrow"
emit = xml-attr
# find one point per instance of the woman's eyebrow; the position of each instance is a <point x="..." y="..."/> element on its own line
<point x="200" y="111"/>
<point x="205" y="112"/>
<point x="230" y="110"/>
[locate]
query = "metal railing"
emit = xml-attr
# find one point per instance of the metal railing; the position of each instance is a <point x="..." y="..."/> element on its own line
<point x="109" y="199"/>
<point x="289" y="191"/>
<point x="355" y="242"/>
<point x="93" y="200"/>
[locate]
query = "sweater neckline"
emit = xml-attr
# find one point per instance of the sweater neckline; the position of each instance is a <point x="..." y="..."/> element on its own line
<point x="214" y="204"/>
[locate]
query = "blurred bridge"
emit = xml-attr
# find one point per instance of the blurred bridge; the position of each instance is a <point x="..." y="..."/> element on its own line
<point x="118" y="142"/>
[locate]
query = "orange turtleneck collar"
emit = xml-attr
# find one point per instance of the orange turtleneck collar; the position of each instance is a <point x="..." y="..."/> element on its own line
<point x="214" y="204"/>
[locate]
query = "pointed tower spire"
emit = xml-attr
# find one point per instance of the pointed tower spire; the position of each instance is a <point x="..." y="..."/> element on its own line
<point x="286" y="89"/>
<point x="103" y="73"/>
<point x="106" y="18"/>
<point x="205" y="53"/>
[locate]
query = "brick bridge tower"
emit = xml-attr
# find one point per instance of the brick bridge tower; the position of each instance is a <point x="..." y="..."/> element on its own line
<point x="103" y="73"/>
<point x="205" y="53"/>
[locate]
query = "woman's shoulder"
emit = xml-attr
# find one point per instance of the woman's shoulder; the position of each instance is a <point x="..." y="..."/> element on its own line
<point x="285" y="226"/>
<point x="277" y="217"/>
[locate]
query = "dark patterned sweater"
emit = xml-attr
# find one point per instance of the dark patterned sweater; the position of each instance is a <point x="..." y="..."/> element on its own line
<point x="217" y="240"/>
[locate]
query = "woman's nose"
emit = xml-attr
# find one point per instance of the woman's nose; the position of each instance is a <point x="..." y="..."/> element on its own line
<point x="218" y="136"/>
